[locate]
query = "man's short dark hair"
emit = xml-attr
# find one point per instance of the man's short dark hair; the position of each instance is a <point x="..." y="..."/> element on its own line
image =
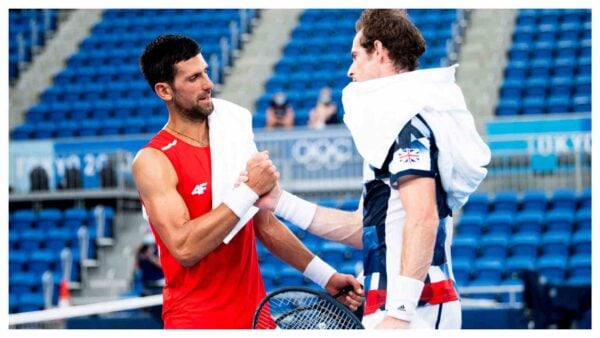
<point x="397" y="33"/>
<point x="161" y="54"/>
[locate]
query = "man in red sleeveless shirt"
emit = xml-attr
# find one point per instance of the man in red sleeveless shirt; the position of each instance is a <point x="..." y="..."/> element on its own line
<point x="211" y="282"/>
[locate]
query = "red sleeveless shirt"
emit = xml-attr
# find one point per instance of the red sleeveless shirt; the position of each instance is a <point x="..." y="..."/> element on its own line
<point x="224" y="288"/>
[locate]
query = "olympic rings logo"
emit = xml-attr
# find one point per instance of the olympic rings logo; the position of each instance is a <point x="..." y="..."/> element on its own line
<point x="322" y="153"/>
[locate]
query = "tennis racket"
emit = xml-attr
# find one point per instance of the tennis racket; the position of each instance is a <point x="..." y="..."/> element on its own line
<point x="300" y="308"/>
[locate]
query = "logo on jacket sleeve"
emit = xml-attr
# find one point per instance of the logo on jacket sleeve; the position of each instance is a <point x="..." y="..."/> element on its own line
<point x="408" y="155"/>
<point x="199" y="189"/>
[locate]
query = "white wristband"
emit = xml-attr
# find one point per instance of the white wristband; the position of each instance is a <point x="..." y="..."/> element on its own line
<point x="318" y="271"/>
<point x="240" y="199"/>
<point x="295" y="210"/>
<point x="402" y="297"/>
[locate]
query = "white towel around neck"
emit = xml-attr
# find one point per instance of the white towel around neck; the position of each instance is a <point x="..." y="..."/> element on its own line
<point x="376" y="111"/>
<point x="231" y="146"/>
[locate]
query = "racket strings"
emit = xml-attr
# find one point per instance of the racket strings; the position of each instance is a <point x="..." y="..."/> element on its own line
<point x="300" y="311"/>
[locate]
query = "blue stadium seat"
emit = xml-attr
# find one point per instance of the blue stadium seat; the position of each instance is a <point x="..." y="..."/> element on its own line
<point x="67" y="128"/>
<point x="21" y="282"/>
<point x="564" y="199"/>
<point x="489" y="269"/>
<point x="584" y="65"/>
<point x="461" y="268"/>
<point x="543" y="50"/>
<point x="58" y="238"/>
<point x="41" y="261"/>
<point x="335" y="253"/>
<point x="471" y="224"/>
<point x="73" y="218"/>
<point x="558" y="104"/>
<point x="524" y="33"/>
<point x="583" y="219"/>
<point x="23" y="132"/>
<point x="583" y="85"/>
<point x="32" y="239"/>
<point x="261" y="253"/>
<point x="556" y="242"/>
<point x="464" y="247"/>
<point x="539" y="72"/>
<point x="524" y="245"/>
<point x="13" y="301"/>
<point x="14" y="238"/>
<point x="44" y="130"/>
<point x="350" y="204"/>
<point x="352" y="268"/>
<point x="581" y="242"/>
<point x="585" y="198"/>
<point x="494" y="246"/>
<point x="553" y="267"/>
<point x="500" y="222"/>
<point x="560" y="85"/>
<point x="22" y="219"/>
<point x="512" y="89"/>
<point x="534" y="200"/>
<point x="508" y="106"/>
<point x="49" y="218"/>
<point x="515" y="264"/>
<point x="580" y="267"/>
<point x="289" y="276"/>
<point x="477" y="203"/>
<point x="547" y="33"/>
<point x="582" y="104"/>
<point x="30" y="301"/>
<point x="506" y="201"/>
<point x="269" y="274"/>
<point x="327" y="202"/>
<point x="560" y="220"/>
<point x="517" y="69"/>
<point x="529" y="221"/>
<point x="16" y="261"/>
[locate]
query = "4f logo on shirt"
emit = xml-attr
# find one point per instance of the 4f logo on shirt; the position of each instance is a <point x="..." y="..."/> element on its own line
<point x="408" y="155"/>
<point x="199" y="189"/>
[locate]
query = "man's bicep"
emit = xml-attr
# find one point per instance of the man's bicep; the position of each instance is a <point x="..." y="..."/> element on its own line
<point x="156" y="181"/>
<point x="417" y="194"/>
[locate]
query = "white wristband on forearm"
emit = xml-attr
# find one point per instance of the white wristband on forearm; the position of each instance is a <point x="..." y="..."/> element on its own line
<point x="318" y="271"/>
<point x="240" y="199"/>
<point x="402" y="297"/>
<point x="295" y="210"/>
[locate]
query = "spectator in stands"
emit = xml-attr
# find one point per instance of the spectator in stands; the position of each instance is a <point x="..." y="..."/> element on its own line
<point x="280" y="112"/>
<point x="324" y="112"/>
<point x="206" y="228"/>
<point x="423" y="157"/>
<point x="148" y="264"/>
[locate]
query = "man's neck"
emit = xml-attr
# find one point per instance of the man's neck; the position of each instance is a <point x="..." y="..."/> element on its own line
<point x="192" y="132"/>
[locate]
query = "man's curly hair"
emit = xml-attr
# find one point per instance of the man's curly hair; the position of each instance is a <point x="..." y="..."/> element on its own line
<point x="397" y="33"/>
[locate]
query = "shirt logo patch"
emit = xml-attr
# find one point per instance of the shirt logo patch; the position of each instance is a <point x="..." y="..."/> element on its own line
<point x="409" y="155"/>
<point x="199" y="189"/>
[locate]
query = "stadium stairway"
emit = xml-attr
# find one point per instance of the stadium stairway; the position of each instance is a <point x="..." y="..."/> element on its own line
<point x="487" y="39"/>
<point x="250" y="72"/>
<point x="40" y="74"/>
<point x="115" y="270"/>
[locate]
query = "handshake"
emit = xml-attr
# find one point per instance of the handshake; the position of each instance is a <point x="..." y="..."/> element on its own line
<point x="261" y="176"/>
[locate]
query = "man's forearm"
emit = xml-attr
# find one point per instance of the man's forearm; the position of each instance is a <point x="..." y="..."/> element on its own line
<point x="338" y="225"/>
<point x="417" y="248"/>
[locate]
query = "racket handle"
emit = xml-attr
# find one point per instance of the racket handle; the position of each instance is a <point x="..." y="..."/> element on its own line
<point x="343" y="291"/>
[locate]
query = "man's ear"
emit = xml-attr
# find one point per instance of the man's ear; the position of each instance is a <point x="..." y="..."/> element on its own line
<point x="380" y="51"/>
<point x="164" y="91"/>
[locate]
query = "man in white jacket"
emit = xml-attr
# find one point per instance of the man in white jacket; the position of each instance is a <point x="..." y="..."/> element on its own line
<point x="422" y="158"/>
